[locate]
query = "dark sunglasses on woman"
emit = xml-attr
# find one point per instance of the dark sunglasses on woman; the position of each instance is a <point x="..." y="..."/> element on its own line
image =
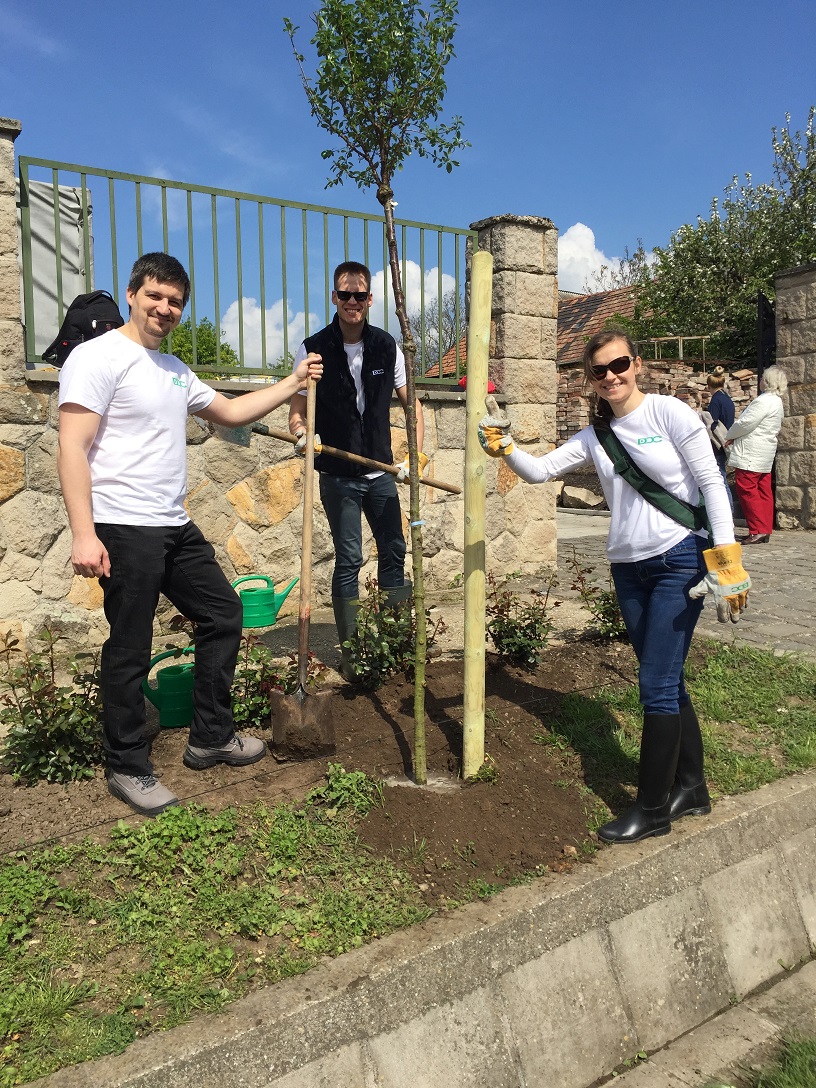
<point x="617" y="366"/>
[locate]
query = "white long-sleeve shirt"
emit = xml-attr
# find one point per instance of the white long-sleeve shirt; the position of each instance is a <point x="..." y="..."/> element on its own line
<point x="668" y="441"/>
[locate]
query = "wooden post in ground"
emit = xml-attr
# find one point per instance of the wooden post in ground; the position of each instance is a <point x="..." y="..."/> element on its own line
<point x="478" y="351"/>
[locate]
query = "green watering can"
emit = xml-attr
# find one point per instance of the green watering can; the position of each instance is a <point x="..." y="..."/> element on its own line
<point x="261" y="603"/>
<point x="173" y="694"/>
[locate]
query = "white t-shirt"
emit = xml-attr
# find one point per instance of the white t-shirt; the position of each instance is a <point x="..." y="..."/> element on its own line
<point x="138" y="458"/>
<point x="668" y="441"/>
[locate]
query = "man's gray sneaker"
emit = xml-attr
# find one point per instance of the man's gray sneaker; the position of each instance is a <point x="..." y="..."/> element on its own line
<point x="143" y="792"/>
<point x="237" y="752"/>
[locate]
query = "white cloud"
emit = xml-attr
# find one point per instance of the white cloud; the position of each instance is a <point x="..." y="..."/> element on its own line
<point x="412" y="288"/>
<point x="295" y="327"/>
<point x="579" y="257"/>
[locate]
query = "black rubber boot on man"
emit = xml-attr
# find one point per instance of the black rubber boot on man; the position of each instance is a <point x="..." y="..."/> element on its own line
<point x="649" y="815"/>
<point x="345" y="618"/>
<point x="689" y="795"/>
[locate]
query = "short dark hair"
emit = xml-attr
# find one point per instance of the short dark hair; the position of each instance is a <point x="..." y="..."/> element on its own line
<point x="160" y="267"/>
<point x="352" y="268"/>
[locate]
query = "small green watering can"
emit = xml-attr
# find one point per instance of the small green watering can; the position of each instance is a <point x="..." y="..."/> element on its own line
<point x="173" y="694"/>
<point x="261" y="603"/>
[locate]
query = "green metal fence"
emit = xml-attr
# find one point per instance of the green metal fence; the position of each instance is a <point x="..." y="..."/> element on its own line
<point x="260" y="267"/>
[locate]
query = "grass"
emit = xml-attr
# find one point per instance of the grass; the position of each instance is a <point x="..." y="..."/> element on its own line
<point x="794" y="1067"/>
<point x="757" y="713"/>
<point x="106" y="941"/>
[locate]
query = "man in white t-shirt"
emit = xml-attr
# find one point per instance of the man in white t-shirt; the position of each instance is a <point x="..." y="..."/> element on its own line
<point x="123" y="471"/>
<point x="363" y="368"/>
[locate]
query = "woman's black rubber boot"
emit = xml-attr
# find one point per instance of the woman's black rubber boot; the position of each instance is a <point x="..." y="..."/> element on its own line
<point x="689" y="795"/>
<point x="649" y="815"/>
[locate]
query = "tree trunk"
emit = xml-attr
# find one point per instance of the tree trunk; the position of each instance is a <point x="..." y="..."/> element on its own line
<point x="385" y="195"/>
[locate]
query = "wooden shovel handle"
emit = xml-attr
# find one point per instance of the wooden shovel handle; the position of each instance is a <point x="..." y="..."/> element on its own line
<point x="305" y="606"/>
<point x="355" y="458"/>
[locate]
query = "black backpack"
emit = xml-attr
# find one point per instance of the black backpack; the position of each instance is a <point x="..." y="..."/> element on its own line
<point x="88" y="316"/>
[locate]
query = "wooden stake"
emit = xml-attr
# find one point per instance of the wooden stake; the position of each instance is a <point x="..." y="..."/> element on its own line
<point x="478" y="353"/>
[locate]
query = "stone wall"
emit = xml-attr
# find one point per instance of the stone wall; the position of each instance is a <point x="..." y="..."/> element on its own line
<point x="246" y="499"/>
<point x="796" y="354"/>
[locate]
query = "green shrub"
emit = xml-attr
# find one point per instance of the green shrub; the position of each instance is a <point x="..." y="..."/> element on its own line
<point x="55" y="731"/>
<point x="519" y="630"/>
<point x="607" y="621"/>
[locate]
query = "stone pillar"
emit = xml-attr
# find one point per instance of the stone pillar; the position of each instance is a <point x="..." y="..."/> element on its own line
<point x="796" y="354"/>
<point x="520" y="521"/>
<point x="34" y="545"/>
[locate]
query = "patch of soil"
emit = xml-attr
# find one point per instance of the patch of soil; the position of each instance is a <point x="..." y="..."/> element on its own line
<point x="532" y="816"/>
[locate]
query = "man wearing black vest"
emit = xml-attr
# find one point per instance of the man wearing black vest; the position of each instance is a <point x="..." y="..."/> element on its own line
<point x="362" y="368"/>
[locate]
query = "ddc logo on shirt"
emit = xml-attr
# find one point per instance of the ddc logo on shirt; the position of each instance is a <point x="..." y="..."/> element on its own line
<point x="650" y="440"/>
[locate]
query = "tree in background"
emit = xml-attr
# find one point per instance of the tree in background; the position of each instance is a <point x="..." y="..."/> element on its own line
<point x="707" y="278"/>
<point x="377" y="89"/>
<point x="438" y="323"/>
<point x="626" y="271"/>
<point x="182" y="345"/>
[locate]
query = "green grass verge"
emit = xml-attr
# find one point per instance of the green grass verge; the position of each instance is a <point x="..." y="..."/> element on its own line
<point x="103" y="943"/>
<point x="794" y="1067"/>
<point x="757" y="712"/>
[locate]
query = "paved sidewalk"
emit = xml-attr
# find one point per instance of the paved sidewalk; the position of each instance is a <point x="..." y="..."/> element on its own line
<point x="782" y="603"/>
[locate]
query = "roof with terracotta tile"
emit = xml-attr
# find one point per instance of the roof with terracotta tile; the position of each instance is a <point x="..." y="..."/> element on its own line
<point x="581" y="316"/>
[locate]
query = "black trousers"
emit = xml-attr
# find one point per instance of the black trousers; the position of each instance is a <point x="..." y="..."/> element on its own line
<point x="178" y="562"/>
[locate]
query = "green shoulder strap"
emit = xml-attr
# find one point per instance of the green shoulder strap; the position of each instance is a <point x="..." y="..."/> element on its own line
<point x="692" y="517"/>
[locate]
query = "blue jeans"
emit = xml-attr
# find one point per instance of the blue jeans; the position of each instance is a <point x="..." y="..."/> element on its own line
<point x="660" y="619"/>
<point x="345" y="499"/>
<point x="178" y="562"/>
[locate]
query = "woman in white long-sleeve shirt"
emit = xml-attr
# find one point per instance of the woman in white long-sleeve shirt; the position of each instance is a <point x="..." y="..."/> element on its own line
<point x="657" y="565"/>
<point x="754" y="438"/>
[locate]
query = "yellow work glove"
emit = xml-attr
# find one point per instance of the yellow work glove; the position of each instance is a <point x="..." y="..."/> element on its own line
<point x="300" y="445"/>
<point x="727" y="579"/>
<point x="494" y="430"/>
<point x="404" y="467"/>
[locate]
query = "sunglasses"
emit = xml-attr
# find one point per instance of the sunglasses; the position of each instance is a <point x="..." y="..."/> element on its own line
<point x="358" y="296"/>
<point x="617" y="366"/>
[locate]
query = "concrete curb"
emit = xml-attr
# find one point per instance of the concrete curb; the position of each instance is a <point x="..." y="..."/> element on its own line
<point x="552" y="984"/>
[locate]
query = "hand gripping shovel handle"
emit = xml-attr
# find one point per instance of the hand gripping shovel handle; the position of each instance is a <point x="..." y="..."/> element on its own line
<point x="367" y="462"/>
<point x="305" y="606"/>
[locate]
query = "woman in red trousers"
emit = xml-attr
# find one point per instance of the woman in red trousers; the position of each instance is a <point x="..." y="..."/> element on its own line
<point x="752" y="444"/>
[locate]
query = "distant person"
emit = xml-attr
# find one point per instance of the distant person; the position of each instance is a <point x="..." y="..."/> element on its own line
<point x="752" y="443"/>
<point x="720" y="417"/>
<point x="362" y="369"/>
<point x="658" y="565"/>
<point x="122" y="460"/>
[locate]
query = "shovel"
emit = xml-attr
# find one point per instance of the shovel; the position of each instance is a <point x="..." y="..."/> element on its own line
<point x="302" y="723"/>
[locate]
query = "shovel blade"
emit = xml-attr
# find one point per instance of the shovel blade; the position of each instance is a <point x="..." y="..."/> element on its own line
<point x="302" y="724"/>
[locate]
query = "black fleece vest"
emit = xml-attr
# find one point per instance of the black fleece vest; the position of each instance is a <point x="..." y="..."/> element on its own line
<point x="337" y="420"/>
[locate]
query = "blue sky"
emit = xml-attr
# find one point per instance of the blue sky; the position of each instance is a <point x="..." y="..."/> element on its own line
<point x="617" y="120"/>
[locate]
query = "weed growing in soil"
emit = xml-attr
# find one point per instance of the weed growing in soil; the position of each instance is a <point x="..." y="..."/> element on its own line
<point x="602" y="604"/>
<point x="519" y="630"/>
<point x="54" y="729"/>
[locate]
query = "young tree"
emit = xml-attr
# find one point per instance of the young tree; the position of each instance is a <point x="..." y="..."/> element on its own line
<point x="377" y="89"/>
<point x="707" y="278"/>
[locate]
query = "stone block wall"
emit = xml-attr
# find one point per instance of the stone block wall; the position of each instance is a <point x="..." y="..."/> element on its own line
<point x="246" y="499"/>
<point x="796" y="354"/>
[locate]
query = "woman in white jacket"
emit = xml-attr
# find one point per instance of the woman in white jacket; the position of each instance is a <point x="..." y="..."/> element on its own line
<point x="752" y="444"/>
